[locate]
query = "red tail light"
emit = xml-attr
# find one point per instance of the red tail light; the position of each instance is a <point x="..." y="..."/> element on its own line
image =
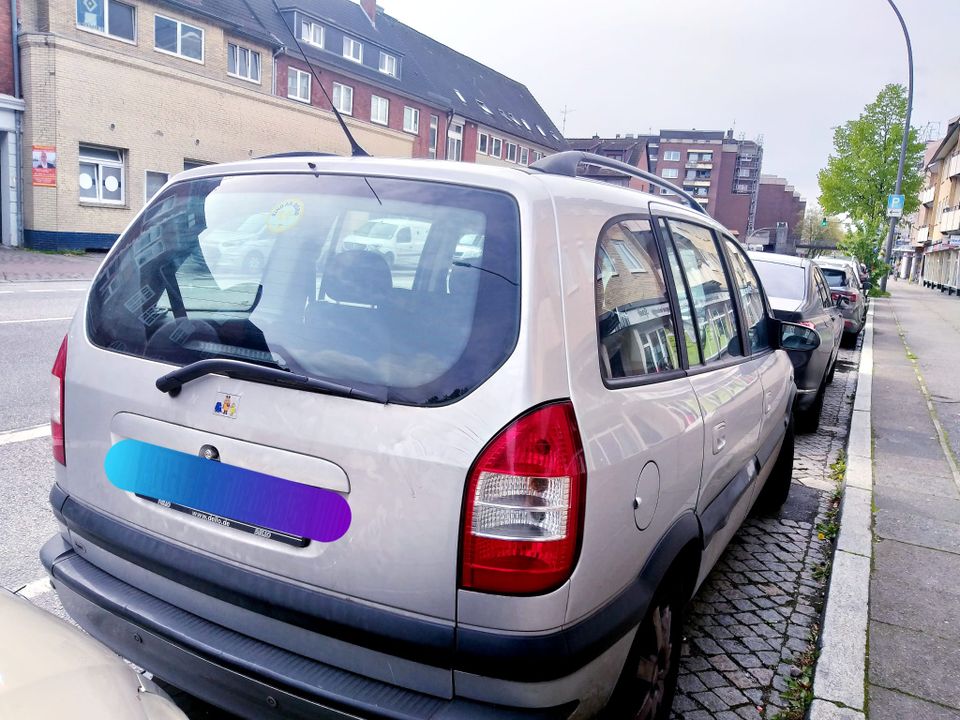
<point x="837" y="294"/>
<point x="524" y="506"/>
<point x="808" y="324"/>
<point x="56" y="403"/>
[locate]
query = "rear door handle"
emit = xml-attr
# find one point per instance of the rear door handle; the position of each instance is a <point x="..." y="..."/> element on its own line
<point x="719" y="437"/>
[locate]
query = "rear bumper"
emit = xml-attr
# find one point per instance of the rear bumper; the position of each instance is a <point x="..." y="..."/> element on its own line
<point x="247" y="677"/>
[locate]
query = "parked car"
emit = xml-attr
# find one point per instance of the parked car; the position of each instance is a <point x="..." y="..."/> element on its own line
<point x="50" y="669"/>
<point x="799" y="293"/>
<point x="846" y="289"/>
<point x="243" y="249"/>
<point x="488" y="492"/>
<point x="398" y="240"/>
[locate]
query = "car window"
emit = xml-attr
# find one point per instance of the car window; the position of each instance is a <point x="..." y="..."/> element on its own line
<point x="716" y="314"/>
<point x="822" y="287"/>
<point x="781" y="280"/>
<point x="686" y="313"/>
<point x="751" y="297"/>
<point x="634" y="321"/>
<point x="836" y="278"/>
<point x="334" y="296"/>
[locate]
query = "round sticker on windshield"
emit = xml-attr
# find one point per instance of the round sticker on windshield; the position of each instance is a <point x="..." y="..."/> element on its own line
<point x="284" y="216"/>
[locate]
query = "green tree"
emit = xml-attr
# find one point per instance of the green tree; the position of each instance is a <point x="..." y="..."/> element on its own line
<point x="862" y="171"/>
<point x="820" y="231"/>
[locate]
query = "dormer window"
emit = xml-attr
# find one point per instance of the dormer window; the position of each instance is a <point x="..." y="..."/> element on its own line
<point x="460" y="95"/>
<point x="352" y="49"/>
<point x="388" y="64"/>
<point x="483" y="107"/>
<point x="312" y="33"/>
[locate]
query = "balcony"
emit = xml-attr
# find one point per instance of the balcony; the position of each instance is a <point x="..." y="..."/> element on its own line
<point x="922" y="235"/>
<point x="700" y="182"/>
<point x="926" y="196"/>
<point x="950" y="221"/>
<point x="700" y="165"/>
<point x="953" y="166"/>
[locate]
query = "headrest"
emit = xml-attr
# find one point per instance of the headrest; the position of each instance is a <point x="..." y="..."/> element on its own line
<point x="357" y="276"/>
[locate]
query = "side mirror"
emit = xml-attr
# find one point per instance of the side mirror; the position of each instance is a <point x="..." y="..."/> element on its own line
<point x="798" y="337"/>
<point x="841" y="301"/>
<point x="867" y="284"/>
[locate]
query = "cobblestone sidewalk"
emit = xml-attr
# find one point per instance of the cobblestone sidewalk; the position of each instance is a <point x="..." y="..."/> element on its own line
<point x="755" y="612"/>
<point x="19" y="265"/>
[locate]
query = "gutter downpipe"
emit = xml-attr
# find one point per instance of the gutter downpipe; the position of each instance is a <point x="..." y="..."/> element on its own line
<point x="16" y="238"/>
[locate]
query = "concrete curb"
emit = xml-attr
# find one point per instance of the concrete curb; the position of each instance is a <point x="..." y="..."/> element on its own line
<point x="838" y="685"/>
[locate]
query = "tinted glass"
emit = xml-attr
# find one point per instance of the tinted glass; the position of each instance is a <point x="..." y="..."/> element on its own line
<point x="686" y="314"/>
<point x="751" y="297"/>
<point x="634" y="321"/>
<point x="121" y="20"/>
<point x="835" y="278"/>
<point x="716" y="316"/>
<point x="782" y="281"/>
<point x="272" y="270"/>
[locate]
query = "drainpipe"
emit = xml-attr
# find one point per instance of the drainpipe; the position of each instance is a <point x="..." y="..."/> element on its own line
<point x="17" y="236"/>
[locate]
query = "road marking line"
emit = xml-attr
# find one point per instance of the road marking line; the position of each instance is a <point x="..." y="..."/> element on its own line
<point x="35" y="588"/>
<point x="13" y="436"/>
<point x="34" y="320"/>
<point x="6" y="292"/>
<point x="59" y="290"/>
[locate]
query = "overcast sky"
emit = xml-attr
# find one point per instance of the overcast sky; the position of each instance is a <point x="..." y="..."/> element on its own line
<point x="789" y="70"/>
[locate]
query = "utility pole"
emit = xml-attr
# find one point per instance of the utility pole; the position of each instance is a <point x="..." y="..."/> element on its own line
<point x="563" y="129"/>
<point x="888" y="248"/>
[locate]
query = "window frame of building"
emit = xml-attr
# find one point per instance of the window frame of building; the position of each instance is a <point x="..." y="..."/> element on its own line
<point x="411" y="120"/>
<point x="298" y="73"/>
<point x="385" y="59"/>
<point x="147" y="195"/>
<point x="234" y="51"/>
<point x="483" y="143"/>
<point x="180" y="27"/>
<point x="497" y="143"/>
<point x="455" y="141"/>
<point x="379" y="110"/>
<point x="349" y="44"/>
<point x="537" y="155"/>
<point x="105" y="32"/>
<point x="744" y="173"/>
<point x="313" y="28"/>
<point x="96" y="156"/>
<point x="671" y="156"/>
<point x="511" y="154"/>
<point x="670" y="173"/>
<point x="336" y="97"/>
<point x="433" y="137"/>
<point x="524" y="155"/>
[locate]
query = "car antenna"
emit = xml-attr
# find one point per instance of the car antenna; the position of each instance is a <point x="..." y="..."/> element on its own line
<point x="355" y="149"/>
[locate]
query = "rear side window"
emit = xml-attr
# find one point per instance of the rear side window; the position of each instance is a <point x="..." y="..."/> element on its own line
<point x="781" y="280"/>
<point x="703" y="268"/>
<point x="835" y="278"/>
<point x="402" y="286"/>
<point x="634" y="321"/>
<point x="751" y="297"/>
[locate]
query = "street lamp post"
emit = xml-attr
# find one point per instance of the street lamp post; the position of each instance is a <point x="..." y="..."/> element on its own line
<point x="888" y="248"/>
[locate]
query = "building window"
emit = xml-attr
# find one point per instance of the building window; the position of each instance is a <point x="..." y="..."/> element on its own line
<point x="434" y="130"/>
<point x="352" y="49"/>
<point x="670" y="172"/>
<point x="379" y="110"/>
<point x="388" y="64"/>
<point x="312" y="33"/>
<point x="496" y="147"/>
<point x="671" y="155"/>
<point x="243" y="63"/>
<point x="343" y="98"/>
<point x="154" y="181"/>
<point x="706" y="157"/>
<point x="101" y="175"/>
<point x="537" y="155"/>
<point x="298" y="85"/>
<point x="455" y="141"/>
<point x="744" y="172"/>
<point x="483" y="143"/>
<point x="743" y="188"/>
<point x="178" y="38"/>
<point x="194" y="164"/>
<point x="524" y="156"/>
<point x="411" y="120"/>
<point x="110" y="18"/>
<point x="511" y="152"/>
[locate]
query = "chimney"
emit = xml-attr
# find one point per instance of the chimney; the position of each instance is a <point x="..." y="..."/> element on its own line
<point x="370" y="10"/>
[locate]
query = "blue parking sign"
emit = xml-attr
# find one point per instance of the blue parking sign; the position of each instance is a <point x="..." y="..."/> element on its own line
<point x="894" y="206"/>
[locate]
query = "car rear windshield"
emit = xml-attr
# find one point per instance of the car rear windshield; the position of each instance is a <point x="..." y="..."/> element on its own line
<point x="270" y="269"/>
<point x="781" y="280"/>
<point x="835" y="278"/>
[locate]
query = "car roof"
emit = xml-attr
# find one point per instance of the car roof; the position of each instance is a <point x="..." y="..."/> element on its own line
<point x="778" y="258"/>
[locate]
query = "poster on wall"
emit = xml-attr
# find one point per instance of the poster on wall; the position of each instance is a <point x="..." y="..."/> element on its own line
<point x="44" y="166"/>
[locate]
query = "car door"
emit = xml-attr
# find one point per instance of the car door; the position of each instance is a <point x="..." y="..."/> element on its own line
<point x="727" y="383"/>
<point x="830" y="322"/>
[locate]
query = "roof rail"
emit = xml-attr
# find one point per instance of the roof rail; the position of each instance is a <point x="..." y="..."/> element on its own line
<point x="565" y="163"/>
<point x="295" y="153"/>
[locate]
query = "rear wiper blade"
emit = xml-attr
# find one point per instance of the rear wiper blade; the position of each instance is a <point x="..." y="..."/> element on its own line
<point x="172" y="382"/>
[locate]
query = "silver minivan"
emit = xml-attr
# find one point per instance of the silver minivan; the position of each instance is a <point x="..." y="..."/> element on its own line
<point x="485" y="487"/>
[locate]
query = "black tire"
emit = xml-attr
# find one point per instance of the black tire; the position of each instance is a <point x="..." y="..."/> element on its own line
<point x="777" y="488"/>
<point x="849" y="340"/>
<point x="253" y="263"/>
<point x="648" y="682"/>
<point x="807" y="421"/>
<point x="833" y="371"/>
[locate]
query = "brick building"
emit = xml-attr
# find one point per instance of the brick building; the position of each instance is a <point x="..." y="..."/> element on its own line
<point x="122" y="95"/>
<point x="778" y="202"/>
<point x="720" y="171"/>
<point x="11" y="111"/>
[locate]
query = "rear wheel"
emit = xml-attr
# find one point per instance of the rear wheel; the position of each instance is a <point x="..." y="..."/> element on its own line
<point x="849" y="340"/>
<point x="649" y="679"/>
<point x="777" y="488"/>
<point x="833" y="371"/>
<point x="809" y="420"/>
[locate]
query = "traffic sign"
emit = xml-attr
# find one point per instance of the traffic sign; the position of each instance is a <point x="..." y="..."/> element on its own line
<point x="894" y="206"/>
